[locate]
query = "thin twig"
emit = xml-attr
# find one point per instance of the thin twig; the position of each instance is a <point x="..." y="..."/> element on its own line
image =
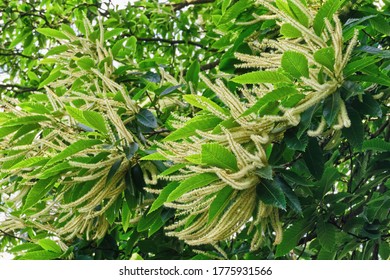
<point x="13" y="236"/>
<point x="18" y="88"/>
<point x="179" y="6"/>
<point x="172" y="42"/>
<point x="381" y="129"/>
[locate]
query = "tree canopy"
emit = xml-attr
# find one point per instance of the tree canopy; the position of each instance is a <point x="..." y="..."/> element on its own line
<point x="203" y="129"/>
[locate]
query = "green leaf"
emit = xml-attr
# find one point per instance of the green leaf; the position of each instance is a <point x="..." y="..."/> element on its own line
<point x="113" y="33"/>
<point x="172" y="169"/>
<point x="384" y="250"/>
<point x="327" y="10"/>
<point x="159" y="223"/>
<point x="234" y="11"/>
<point x="196" y="159"/>
<point x="265" y="172"/>
<point x="54" y="75"/>
<point x="169" y="89"/>
<point x="146" y="118"/>
<point x="326" y="255"/>
<point x="49" y="32"/>
<point x="292" y="141"/>
<point x="24" y="247"/>
<point x="132" y="43"/>
<point x="26" y="120"/>
<point x="74" y="149"/>
<point x="329" y="177"/>
<point x="201" y="122"/>
<point x="368" y="106"/>
<point x="57" y="50"/>
<point x="275" y="95"/>
<point x="76" y="114"/>
<point x="326" y="234"/>
<point x="298" y="14"/>
<point x="314" y="159"/>
<point x="114" y="168"/>
<point x="192" y="183"/>
<point x="50" y="245"/>
<point x="112" y="212"/>
<point x="20" y="38"/>
<point x="192" y="74"/>
<point x="136" y="257"/>
<point x="258" y="77"/>
<point x="37" y="192"/>
<point x="126" y="215"/>
<point x="117" y="47"/>
<point x="215" y="154"/>
<point x="331" y="107"/>
<point x="220" y="202"/>
<point x="270" y="193"/>
<point x="325" y="56"/>
<point x="138" y="178"/>
<point x="371" y="78"/>
<point x="95" y="120"/>
<point x="283" y="6"/>
<point x="289" y="31"/>
<point x="228" y="123"/>
<point x="376" y="144"/>
<point x="85" y="63"/>
<point x="68" y="29"/>
<point x="291" y="237"/>
<point x="359" y="64"/>
<point x="147" y="220"/>
<point x="29" y="162"/>
<point x="296" y="64"/>
<point x="154" y="156"/>
<point x="381" y="24"/>
<point x="354" y="133"/>
<point x="163" y="196"/>
<point x="203" y="103"/>
<point x="40" y="255"/>
<point x="4" y="131"/>
<point x="294" y="178"/>
<point x="55" y="170"/>
<point x="292" y="199"/>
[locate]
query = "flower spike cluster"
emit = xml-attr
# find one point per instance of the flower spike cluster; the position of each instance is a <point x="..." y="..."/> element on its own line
<point x="76" y="155"/>
<point x="222" y="161"/>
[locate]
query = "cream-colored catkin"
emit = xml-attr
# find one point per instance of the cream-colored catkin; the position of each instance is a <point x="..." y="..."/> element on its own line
<point x="250" y="135"/>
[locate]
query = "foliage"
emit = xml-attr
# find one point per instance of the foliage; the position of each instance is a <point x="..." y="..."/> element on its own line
<point x="195" y="130"/>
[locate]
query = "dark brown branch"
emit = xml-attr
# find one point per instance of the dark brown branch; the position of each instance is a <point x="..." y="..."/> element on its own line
<point x="361" y="238"/>
<point x="381" y="129"/>
<point x="307" y="238"/>
<point x="155" y="132"/>
<point x="205" y="67"/>
<point x="172" y="42"/>
<point x="13" y="236"/>
<point x="179" y="6"/>
<point x="17" y="88"/>
<point x="375" y="253"/>
<point x="209" y="65"/>
<point x="15" y="54"/>
<point x="28" y="14"/>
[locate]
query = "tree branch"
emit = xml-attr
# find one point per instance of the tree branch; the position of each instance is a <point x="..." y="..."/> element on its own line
<point x="15" y="54"/>
<point x="172" y="42"/>
<point x="209" y="65"/>
<point x="205" y="67"/>
<point x="179" y="6"/>
<point x="13" y="236"/>
<point x="17" y="88"/>
<point x="381" y="129"/>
